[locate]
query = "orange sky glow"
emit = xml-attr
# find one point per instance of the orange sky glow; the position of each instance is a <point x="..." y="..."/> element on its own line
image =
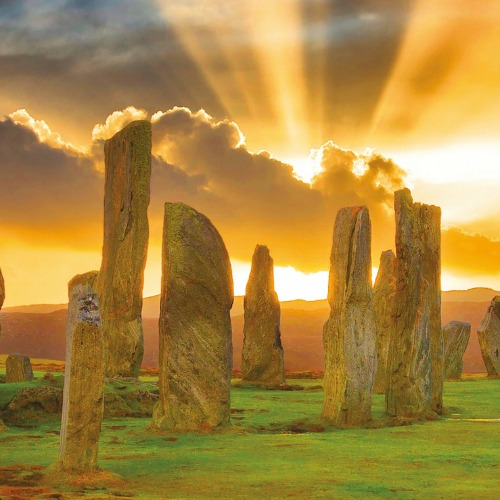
<point x="268" y="116"/>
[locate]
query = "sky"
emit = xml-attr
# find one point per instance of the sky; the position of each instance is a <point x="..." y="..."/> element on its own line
<point x="267" y="117"/>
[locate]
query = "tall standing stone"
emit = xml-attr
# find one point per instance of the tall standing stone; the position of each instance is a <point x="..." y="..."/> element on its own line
<point x="383" y="301"/>
<point x="456" y="336"/>
<point x="262" y="356"/>
<point x="195" y="327"/>
<point x="83" y="401"/>
<point x="2" y="298"/>
<point x="488" y="335"/>
<point x="415" y="377"/>
<point x="18" y="368"/>
<point x="349" y="333"/>
<point x="431" y="269"/>
<point x="2" y="294"/>
<point x="126" y="232"/>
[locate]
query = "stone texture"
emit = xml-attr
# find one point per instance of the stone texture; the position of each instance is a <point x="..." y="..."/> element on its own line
<point x="349" y="333"/>
<point x="2" y="298"/>
<point x="18" y="368"/>
<point x="2" y="294"/>
<point x="195" y="329"/>
<point x="34" y="404"/>
<point x="456" y="336"/>
<point x="262" y="357"/>
<point x="488" y="335"/>
<point x="383" y="301"/>
<point x="126" y="232"/>
<point x="416" y="354"/>
<point x="83" y="401"/>
<point x="2" y="289"/>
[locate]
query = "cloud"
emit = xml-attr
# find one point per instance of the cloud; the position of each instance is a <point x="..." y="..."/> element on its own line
<point x="255" y="198"/>
<point x="116" y="121"/>
<point x="53" y="196"/>
<point x="50" y="195"/>
<point x="469" y="254"/>
<point x="43" y="131"/>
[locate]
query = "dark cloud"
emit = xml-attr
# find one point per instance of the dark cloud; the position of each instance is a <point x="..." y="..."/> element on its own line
<point x="48" y="195"/>
<point x="263" y="201"/>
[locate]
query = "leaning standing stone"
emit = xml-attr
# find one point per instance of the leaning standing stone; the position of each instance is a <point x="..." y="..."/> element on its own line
<point x="126" y="232"/>
<point x="262" y="356"/>
<point x="456" y="336"/>
<point x="18" y="368"/>
<point x="349" y="333"/>
<point x="383" y="301"/>
<point x="488" y="335"/>
<point x="83" y="401"/>
<point x="195" y="327"/>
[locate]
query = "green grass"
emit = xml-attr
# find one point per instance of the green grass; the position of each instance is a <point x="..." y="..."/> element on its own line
<point x="267" y="454"/>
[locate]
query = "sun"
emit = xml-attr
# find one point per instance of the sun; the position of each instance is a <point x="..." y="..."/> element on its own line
<point x="305" y="168"/>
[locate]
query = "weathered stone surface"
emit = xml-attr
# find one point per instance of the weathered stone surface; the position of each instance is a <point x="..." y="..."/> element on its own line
<point x="195" y="328"/>
<point x="18" y="368"/>
<point x="415" y="343"/>
<point x="431" y="271"/>
<point x="349" y="333"/>
<point x="34" y="404"/>
<point x="2" y="298"/>
<point x="83" y="402"/>
<point x="262" y="357"/>
<point x="488" y="335"/>
<point x="456" y="336"/>
<point x="383" y="301"/>
<point x="126" y="231"/>
<point x="2" y="289"/>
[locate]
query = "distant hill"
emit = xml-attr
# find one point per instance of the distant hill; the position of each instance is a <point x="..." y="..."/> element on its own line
<point x="39" y="330"/>
<point x="471" y="295"/>
<point x="35" y="308"/>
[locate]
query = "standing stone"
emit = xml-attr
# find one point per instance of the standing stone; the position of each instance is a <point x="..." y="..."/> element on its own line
<point x="18" y="368"/>
<point x="383" y="301"/>
<point x="195" y="328"/>
<point x="2" y="298"/>
<point x="2" y="293"/>
<point x="488" y="335"/>
<point x="262" y="357"/>
<point x="416" y="348"/>
<point x="349" y="333"/>
<point x="126" y="232"/>
<point x="83" y="401"/>
<point x="2" y="289"/>
<point x="456" y="336"/>
<point x="431" y="270"/>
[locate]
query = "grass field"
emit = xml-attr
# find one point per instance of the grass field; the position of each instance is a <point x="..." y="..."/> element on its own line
<point x="277" y="447"/>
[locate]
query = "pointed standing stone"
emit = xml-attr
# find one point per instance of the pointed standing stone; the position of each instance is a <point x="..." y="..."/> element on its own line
<point x="456" y="336"/>
<point x="18" y="368"/>
<point x="83" y="401"/>
<point x="126" y="232"/>
<point x="488" y="335"/>
<point x="415" y="344"/>
<point x="262" y="356"/>
<point x="195" y="328"/>
<point x="383" y="302"/>
<point x="349" y="333"/>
